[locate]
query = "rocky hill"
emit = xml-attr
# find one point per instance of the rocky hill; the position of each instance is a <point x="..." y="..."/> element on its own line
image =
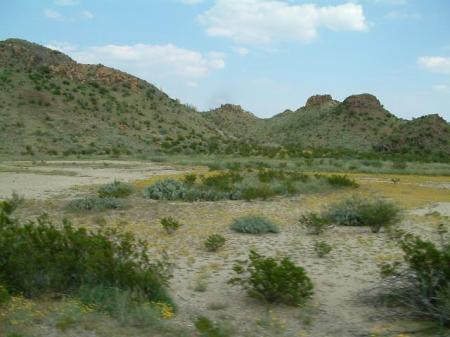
<point x="49" y="104"/>
<point x="52" y="105"/>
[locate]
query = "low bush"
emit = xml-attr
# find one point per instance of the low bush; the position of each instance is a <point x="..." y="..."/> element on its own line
<point x="273" y="281"/>
<point x="355" y="211"/>
<point x="4" y="295"/>
<point x="94" y="204"/>
<point x="314" y="223"/>
<point x="422" y="282"/>
<point x="254" y="192"/>
<point x="167" y="189"/>
<point x="189" y="179"/>
<point x="116" y="189"/>
<point x="42" y="258"/>
<point x="322" y="248"/>
<point x="341" y="181"/>
<point x="170" y="225"/>
<point x="254" y="225"/>
<point x="214" y="242"/>
<point x="208" y="328"/>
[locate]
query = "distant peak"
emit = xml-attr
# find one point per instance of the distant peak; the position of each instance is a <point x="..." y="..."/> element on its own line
<point x="318" y="100"/>
<point x="362" y="100"/>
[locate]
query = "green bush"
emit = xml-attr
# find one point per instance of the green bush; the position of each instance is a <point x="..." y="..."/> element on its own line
<point x="254" y="225"/>
<point x="4" y="295"/>
<point x="273" y="281"/>
<point x="189" y="179"/>
<point x="341" y="181"/>
<point x="94" y="204"/>
<point x="170" y="225"/>
<point x="322" y="248"/>
<point x="208" y="328"/>
<point x="314" y="223"/>
<point x="167" y="189"/>
<point x="423" y="281"/>
<point x="42" y="258"/>
<point x="254" y="192"/>
<point x="356" y="211"/>
<point x="214" y="242"/>
<point x="116" y="189"/>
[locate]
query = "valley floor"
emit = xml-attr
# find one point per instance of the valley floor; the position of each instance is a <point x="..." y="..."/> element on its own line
<point x="346" y="282"/>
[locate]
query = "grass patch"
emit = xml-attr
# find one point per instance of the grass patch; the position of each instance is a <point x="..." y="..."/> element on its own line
<point x="254" y="225"/>
<point x="116" y="189"/>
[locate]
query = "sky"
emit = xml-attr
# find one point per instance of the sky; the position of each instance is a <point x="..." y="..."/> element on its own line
<point x="265" y="55"/>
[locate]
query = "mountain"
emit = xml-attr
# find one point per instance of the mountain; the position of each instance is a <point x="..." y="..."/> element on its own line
<point x="232" y="119"/>
<point x="50" y="104"/>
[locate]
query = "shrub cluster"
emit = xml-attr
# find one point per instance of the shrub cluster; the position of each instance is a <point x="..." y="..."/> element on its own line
<point x="94" y="204"/>
<point x="423" y="281"/>
<point x="40" y="257"/>
<point x="116" y="189"/>
<point x="254" y="225"/>
<point x="314" y="223"/>
<point x="273" y="281"/>
<point x="356" y="211"/>
<point x="170" y="225"/>
<point x="214" y="242"/>
<point x="322" y="248"/>
<point x="341" y="181"/>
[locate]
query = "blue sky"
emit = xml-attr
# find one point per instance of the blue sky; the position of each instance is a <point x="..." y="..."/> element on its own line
<point x="266" y="55"/>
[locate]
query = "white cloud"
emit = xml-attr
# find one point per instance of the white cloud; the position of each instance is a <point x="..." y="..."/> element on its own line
<point x="64" y="47"/>
<point x="437" y="64"/>
<point x="52" y="14"/>
<point x="444" y="88"/>
<point x="241" y="51"/>
<point x="66" y="2"/>
<point x="87" y="15"/>
<point x="268" y="21"/>
<point x="390" y="2"/>
<point x="151" y="62"/>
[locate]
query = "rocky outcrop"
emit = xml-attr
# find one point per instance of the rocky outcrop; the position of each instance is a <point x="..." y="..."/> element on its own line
<point x="362" y="101"/>
<point x="318" y="101"/>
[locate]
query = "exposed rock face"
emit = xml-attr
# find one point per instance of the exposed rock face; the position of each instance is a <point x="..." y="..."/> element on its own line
<point x="362" y="101"/>
<point x="318" y="100"/>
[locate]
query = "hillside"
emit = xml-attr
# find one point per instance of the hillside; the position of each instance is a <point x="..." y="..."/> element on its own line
<point x="49" y="104"/>
<point x="52" y="105"/>
<point x="233" y="120"/>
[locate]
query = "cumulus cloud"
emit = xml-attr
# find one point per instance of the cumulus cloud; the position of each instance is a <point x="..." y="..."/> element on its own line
<point x="268" y="21"/>
<point x="52" y="14"/>
<point x="437" y="64"/>
<point x="444" y="88"/>
<point x="151" y="62"/>
<point x="87" y="15"/>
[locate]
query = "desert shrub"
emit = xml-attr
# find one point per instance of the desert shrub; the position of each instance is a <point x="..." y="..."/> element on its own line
<point x="94" y="204"/>
<point x="4" y="295"/>
<point x="208" y="328"/>
<point x="127" y="307"/>
<point x="322" y="248"/>
<point x="314" y="223"/>
<point x="254" y="225"/>
<point x="214" y="242"/>
<point x="341" y="181"/>
<point x="167" y="189"/>
<point x="356" y="211"/>
<point x="222" y="182"/>
<point x="116" y="189"/>
<point x="254" y="192"/>
<point x="422" y="282"/>
<point x="170" y="225"/>
<point x="42" y="258"/>
<point x="189" y="179"/>
<point x="399" y="165"/>
<point x="273" y="281"/>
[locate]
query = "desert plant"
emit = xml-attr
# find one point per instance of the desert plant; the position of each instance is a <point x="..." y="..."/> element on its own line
<point x="167" y="189"/>
<point x="356" y="211"/>
<point x="273" y="281"/>
<point x="322" y="248"/>
<point x="214" y="242"/>
<point x="314" y="223"/>
<point x="116" y="189"/>
<point x="208" y="328"/>
<point x="94" y="204"/>
<point x="189" y="179"/>
<point x="170" y="225"/>
<point x="423" y="282"/>
<point x="39" y="257"/>
<point x="4" y="295"/>
<point x="341" y="181"/>
<point x="254" y="192"/>
<point x="254" y="225"/>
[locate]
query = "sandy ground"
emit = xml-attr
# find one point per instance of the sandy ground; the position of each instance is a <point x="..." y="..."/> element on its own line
<point x="345" y="282"/>
<point x="56" y="178"/>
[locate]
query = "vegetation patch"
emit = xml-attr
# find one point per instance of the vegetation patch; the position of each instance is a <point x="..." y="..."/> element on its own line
<point x="95" y="204"/>
<point x="214" y="242"/>
<point x="254" y="225"/>
<point x="116" y="189"/>
<point x="273" y="281"/>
